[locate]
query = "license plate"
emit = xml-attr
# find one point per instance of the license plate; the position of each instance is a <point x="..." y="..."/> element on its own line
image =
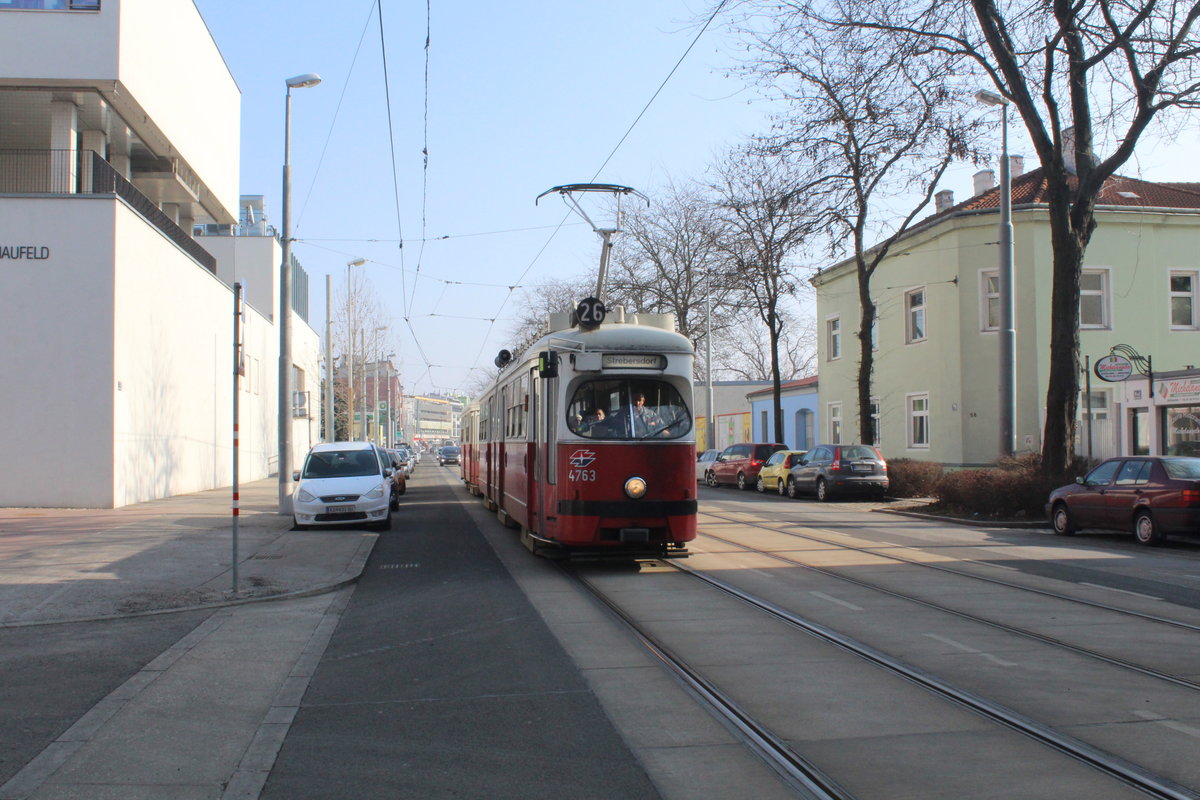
<point x="861" y="467"/>
<point x="338" y="509"/>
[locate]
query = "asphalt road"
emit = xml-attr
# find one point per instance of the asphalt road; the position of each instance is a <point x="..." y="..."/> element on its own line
<point x="443" y="681"/>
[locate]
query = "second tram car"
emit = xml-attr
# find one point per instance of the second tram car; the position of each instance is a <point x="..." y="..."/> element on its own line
<point x="586" y="442"/>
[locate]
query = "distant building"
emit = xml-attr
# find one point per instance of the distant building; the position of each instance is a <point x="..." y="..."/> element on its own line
<point x="733" y="420"/>
<point x="798" y="400"/>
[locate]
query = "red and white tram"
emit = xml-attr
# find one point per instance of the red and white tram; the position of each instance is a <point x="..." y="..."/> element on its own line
<point x="586" y="442"/>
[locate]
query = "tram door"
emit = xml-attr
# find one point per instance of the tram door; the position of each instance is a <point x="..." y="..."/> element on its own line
<point x="533" y="453"/>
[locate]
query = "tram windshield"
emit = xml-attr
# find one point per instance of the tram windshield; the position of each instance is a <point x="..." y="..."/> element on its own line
<point x="625" y="408"/>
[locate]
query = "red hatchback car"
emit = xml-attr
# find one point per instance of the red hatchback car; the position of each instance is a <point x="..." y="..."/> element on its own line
<point x="740" y="464"/>
<point x="1152" y="496"/>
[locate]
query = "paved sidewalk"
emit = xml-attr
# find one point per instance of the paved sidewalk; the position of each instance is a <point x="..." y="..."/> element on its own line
<point x="61" y="565"/>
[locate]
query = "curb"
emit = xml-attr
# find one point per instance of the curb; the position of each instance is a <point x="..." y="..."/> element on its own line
<point x="351" y="574"/>
<point x="979" y="523"/>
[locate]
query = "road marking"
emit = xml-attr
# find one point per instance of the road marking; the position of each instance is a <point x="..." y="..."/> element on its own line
<point x="399" y="566"/>
<point x="971" y="650"/>
<point x="1122" y="591"/>
<point x="1150" y="716"/>
<point x="1000" y="566"/>
<point x="824" y="596"/>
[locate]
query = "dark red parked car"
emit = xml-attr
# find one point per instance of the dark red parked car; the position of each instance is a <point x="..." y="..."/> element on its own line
<point x="740" y="464"/>
<point x="1152" y="496"/>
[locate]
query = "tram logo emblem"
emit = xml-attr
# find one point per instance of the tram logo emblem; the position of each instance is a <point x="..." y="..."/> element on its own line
<point x="581" y="458"/>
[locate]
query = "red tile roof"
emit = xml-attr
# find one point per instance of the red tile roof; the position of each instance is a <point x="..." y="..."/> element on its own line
<point x="1030" y="188"/>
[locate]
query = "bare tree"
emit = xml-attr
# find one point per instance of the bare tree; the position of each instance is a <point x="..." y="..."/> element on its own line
<point x="745" y="356"/>
<point x="765" y="224"/>
<point x="870" y="124"/>
<point x="1084" y="76"/>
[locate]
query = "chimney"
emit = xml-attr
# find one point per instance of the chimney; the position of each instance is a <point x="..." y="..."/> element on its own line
<point x="1016" y="166"/>
<point x="1068" y="150"/>
<point x="984" y="179"/>
<point x="943" y="200"/>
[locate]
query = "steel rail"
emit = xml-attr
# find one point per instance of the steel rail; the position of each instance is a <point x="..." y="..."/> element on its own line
<point x="995" y="581"/>
<point x="1050" y="640"/>
<point x="797" y="772"/>
<point x="1108" y="763"/>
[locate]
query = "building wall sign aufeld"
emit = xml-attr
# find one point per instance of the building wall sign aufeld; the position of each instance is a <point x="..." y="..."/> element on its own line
<point x="24" y="252"/>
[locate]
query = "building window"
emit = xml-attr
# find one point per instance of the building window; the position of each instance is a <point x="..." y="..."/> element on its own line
<point x="875" y="438"/>
<point x="914" y="309"/>
<point x="918" y="421"/>
<point x="833" y="337"/>
<point x="1093" y="299"/>
<point x="835" y="423"/>
<point x="989" y="301"/>
<point x="1183" y="299"/>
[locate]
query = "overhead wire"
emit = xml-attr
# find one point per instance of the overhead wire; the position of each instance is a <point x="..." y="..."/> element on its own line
<point x="600" y="169"/>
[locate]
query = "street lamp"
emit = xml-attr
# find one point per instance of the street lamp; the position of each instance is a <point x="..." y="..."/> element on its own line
<point x="1008" y="333"/>
<point x="358" y="262"/>
<point x="285" y="302"/>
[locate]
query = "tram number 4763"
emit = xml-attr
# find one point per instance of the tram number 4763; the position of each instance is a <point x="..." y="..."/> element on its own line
<point x="581" y="475"/>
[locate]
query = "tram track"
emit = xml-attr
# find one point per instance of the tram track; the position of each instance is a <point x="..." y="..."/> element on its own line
<point x="879" y="553"/>
<point x="1028" y="634"/>
<point x="802" y="774"/>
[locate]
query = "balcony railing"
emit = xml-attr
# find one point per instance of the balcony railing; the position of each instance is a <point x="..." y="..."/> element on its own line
<point x="66" y="172"/>
<point x="50" y="5"/>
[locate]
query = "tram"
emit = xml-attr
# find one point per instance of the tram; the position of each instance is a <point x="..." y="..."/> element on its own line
<point x="586" y="442"/>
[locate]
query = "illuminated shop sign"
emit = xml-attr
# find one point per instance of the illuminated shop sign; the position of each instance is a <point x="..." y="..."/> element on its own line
<point x="24" y="252"/>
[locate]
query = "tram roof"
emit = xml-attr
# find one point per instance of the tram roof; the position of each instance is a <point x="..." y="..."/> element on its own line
<point x="612" y="336"/>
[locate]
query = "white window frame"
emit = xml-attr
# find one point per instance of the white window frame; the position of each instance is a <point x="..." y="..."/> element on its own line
<point x="910" y="310"/>
<point x="1193" y="295"/>
<point x="987" y="298"/>
<point x="911" y="415"/>
<point x="1105" y="294"/>
<point x="835" y="423"/>
<point x="833" y="338"/>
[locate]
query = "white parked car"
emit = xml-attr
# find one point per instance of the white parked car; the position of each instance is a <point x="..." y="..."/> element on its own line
<point x="344" y="483"/>
<point x="704" y="461"/>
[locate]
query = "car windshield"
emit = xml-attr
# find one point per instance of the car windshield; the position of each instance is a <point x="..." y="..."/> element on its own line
<point x="625" y="408"/>
<point x="1182" y="467"/>
<point x="857" y="451"/>
<point x="340" y="464"/>
<point x="449" y="451"/>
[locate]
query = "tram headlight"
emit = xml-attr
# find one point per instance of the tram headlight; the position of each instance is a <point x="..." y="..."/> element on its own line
<point x="635" y="488"/>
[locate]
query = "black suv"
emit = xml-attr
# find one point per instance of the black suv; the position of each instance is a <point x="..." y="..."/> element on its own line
<point x="448" y="455"/>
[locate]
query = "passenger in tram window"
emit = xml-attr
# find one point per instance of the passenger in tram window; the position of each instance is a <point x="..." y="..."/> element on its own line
<point x="646" y="420"/>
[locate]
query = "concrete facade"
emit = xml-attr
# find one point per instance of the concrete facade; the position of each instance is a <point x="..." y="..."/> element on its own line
<point x="118" y="325"/>
<point x="801" y="413"/>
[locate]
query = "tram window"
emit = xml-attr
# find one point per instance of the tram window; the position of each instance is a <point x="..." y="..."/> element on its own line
<point x="628" y="409"/>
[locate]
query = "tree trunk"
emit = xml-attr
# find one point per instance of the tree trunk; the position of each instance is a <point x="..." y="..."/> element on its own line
<point x="866" y="355"/>
<point x="1062" y="393"/>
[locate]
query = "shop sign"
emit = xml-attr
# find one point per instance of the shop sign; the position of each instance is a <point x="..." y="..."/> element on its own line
<point x="1113" y="368"/>
<point x="1179" y="391"/>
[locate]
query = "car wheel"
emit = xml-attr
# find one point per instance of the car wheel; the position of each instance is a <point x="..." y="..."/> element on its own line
<point x="822" y="490"/>
<point x="1145" y="530"/>
<point x="1060" y="518"/>
<point x="793" y="491"/>
<point x="710" y="478"/>
<point x="779" y="487"/>
<point x="741" y="481"/>
<point x="759" y="486"/>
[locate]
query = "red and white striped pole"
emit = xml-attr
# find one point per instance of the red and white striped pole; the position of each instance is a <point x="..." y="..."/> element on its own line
<point x="237" y="374"/>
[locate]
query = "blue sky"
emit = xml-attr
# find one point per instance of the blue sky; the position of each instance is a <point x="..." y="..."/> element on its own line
<point x="522" y="96"/>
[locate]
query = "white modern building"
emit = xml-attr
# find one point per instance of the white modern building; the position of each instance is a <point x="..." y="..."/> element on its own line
<point x="116" y="324"/>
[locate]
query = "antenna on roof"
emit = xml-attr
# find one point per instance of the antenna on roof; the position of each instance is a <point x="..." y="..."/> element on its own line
<point x="568" y="191"/>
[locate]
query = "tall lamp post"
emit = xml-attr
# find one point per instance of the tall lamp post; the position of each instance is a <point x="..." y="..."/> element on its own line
<point x="358" y="262"/>
<point x="1008" y="333"/>
<point x="285" y="303"/>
